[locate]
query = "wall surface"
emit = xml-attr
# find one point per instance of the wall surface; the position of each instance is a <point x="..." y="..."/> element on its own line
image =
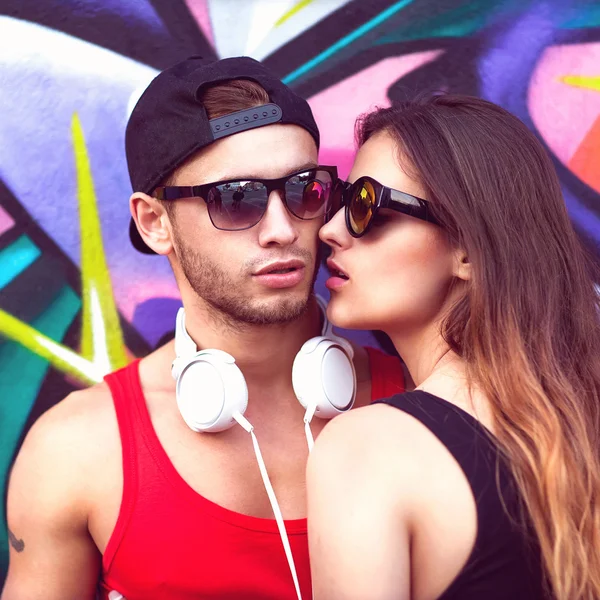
<point x="76" y="301"/>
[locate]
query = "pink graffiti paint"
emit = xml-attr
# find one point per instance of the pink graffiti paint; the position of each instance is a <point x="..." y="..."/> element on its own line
<point x="6" y="221"/>
<point x="200" y="12"/>
<point x="562" y="113"/>
<point x="342" y="158"/>
<point x="129" y="291"/>
<point x="337" y="107"/>
<point x="586" y="159"/>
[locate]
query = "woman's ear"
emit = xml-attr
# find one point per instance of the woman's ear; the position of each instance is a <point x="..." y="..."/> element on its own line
<point x="462" y="266"/>
<point x="152" y="222"/>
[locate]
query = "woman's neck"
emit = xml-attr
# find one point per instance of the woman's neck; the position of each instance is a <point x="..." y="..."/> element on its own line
<point x="438" y="370"/>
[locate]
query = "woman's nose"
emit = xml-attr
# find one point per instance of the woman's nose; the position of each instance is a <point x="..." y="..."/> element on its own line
<point x="334" y="232"/>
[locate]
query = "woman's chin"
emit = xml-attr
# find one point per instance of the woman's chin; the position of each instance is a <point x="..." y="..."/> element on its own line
<point x="345" y="315"/>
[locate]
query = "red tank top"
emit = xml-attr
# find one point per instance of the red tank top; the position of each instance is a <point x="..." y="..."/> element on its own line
<point x="171" y="543"/>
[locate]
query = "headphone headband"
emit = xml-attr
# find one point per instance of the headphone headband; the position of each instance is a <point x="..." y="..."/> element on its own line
<point x="184" y="344"/>
<point x="327" y="330"/>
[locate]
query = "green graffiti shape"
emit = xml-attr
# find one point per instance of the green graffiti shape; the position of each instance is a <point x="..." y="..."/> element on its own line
<point x="60" y="357"/>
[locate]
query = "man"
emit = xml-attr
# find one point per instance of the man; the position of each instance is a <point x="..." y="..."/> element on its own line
<point x="111" y="485"/>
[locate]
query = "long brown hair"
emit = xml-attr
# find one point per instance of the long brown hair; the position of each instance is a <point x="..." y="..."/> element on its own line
<point x="528" y="325"/>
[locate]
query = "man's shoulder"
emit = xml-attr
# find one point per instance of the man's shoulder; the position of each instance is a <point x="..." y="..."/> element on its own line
<point x="79" y="408"/>
<point x="65" y="450"/>
<point x="73" y="430"/>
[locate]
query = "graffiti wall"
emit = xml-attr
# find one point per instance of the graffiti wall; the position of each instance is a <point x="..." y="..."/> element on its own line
<point x="76" y="300"/>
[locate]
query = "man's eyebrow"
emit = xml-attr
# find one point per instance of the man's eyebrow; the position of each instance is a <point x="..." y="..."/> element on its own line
<point x="305" y="167"/>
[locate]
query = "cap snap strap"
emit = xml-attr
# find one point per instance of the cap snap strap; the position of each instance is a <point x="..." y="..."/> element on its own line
<point x="248" y="118"/>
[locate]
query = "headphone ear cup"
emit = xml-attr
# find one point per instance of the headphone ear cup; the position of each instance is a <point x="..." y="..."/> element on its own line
<point x="323" y="376"/>
<point x="210" y="390"/>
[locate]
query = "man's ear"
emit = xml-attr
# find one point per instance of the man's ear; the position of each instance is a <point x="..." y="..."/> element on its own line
<point x="462" y="266"/>
<point x="152" y="222"/>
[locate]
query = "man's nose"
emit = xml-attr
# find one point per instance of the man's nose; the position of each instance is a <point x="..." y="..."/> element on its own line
<point x="278" y="226"/>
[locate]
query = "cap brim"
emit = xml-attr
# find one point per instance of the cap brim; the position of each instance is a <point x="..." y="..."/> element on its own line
<point x="137" y="241"/>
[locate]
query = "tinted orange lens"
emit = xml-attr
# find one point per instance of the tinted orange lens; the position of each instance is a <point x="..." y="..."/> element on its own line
<point x="307" y="194"/>
<point x="361" y="207"/>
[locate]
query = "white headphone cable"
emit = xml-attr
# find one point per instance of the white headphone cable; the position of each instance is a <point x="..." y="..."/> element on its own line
<point x="271" y="494"/>
<point x="308" y="415"/>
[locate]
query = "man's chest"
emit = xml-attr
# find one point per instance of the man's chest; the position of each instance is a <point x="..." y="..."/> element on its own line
<point x="198" y="556"/>
<point x="199" y="519"/>
<point x="227" y="473"/>
<point x="220" y="468"/>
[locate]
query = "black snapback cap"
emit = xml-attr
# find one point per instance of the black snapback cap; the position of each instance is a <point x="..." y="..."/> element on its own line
<point x="169" y="123"/>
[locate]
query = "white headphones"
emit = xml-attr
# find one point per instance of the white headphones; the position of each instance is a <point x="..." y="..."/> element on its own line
<point x="211" y="388"/>
<point x="212" y="394"/>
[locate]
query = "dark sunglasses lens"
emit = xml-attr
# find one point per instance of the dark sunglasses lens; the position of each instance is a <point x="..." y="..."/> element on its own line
<point x="360" y="207"/>
<point x="237" y="205"/>
<point x="307" y="194"/>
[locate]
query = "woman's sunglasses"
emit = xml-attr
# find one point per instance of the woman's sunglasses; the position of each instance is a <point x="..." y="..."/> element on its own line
<point x="366" y="196"/>
<point x="237" y="204"/>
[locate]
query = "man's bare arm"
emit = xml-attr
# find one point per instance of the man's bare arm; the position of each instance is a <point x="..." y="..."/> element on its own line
<point x="52" y="555"/>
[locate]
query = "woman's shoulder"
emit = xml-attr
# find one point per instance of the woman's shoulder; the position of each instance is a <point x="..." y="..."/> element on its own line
<point x="402" y="420"/>
<point x="380" y="439"/>
<point x="361" y="427"/>
<point x="399" y="472"/>
<point x="415" y="441"/>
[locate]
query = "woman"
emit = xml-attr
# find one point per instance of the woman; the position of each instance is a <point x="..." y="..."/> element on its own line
<point x="485" y="481"/>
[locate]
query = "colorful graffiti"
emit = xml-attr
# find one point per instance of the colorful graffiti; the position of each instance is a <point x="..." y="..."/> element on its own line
<point x="75" y="299"/>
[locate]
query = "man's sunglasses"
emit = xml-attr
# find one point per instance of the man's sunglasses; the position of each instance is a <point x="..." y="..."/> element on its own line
<point x="365" y="197"/>
<point x="237" y="204"/>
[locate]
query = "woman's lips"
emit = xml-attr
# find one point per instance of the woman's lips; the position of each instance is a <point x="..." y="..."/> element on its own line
<point x="335" y="283"/>
<point x="338" y="276"/>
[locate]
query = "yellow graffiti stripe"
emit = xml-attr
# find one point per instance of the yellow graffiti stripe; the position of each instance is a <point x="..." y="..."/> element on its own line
<point x="591" y="83"/>
<point x="59" y="356"/>
<point x="290" y="13"/>
<point x="101" y="336"/>
<point x="103" y="347"/>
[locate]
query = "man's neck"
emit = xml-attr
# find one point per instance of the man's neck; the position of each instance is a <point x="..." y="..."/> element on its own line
<point x="265" y="356"/>
<point x="264" y="353"/>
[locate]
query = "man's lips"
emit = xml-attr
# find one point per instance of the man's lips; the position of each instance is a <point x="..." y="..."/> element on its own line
<point x="281" y="266"/>
<point x="281" y="274"/>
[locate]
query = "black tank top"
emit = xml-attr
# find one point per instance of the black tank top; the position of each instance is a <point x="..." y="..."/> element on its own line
<point x="505" y="563"/>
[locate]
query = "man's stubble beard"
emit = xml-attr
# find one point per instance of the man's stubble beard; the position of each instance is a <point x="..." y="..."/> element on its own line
<point x="219" y="290"/>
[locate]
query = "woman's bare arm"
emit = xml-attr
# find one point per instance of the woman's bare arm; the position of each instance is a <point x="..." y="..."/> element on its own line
<point x="359" y="532"/>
